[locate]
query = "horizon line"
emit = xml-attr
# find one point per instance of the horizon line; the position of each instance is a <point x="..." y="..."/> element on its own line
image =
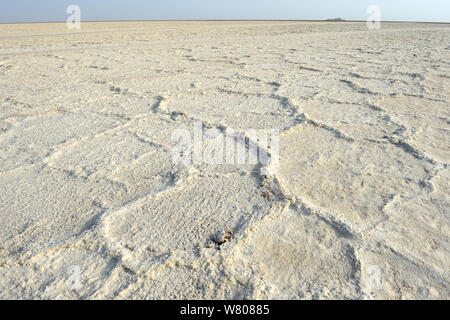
<point x="332" y="20"/>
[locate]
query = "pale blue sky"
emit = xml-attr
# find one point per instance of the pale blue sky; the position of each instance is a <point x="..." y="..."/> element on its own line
<point x="55" y="10"/>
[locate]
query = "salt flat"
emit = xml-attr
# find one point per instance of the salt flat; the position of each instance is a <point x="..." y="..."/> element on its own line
<point x="92" y="205"/>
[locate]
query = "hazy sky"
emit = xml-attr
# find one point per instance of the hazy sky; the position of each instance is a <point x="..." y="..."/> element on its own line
<point x="55" y="10"/>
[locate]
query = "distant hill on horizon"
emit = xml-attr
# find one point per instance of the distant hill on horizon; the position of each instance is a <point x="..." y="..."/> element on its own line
<point x="335" y="19"/>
